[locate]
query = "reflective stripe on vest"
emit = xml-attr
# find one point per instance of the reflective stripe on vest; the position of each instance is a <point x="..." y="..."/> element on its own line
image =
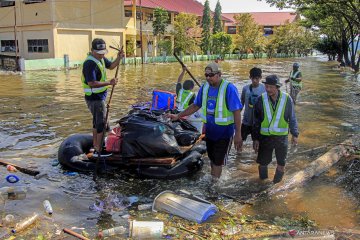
<point x="223" y="116"/>
<point x="184" y="99"/>
<point x="277" y="126"/>
<point x="101" y="65"/>
<point x="293" y="82"/>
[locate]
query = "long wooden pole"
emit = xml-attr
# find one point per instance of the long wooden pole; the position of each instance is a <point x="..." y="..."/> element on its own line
<point x="187" y="70"/>
<point x="105" y="123"/>
<point x="21" y="169"/>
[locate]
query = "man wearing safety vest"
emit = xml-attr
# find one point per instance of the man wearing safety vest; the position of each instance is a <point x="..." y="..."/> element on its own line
<point x="273" y="119"/>
<point x="95" y="85"/>
<point x="295" y="81"/>
<point x="220" y="111"/>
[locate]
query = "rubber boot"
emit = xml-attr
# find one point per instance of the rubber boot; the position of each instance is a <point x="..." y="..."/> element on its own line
<point x="278" y="176"/>
<point x="263" y="172"/>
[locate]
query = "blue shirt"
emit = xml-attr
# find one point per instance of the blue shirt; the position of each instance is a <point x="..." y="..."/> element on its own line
<point x="213" y="131"/>
<point x="92" y="73"/>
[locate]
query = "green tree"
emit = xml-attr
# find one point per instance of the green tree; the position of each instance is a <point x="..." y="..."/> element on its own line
<point x="217" y="19"/>
<point x="342" y="17"/>
<point x="249" y="34"/>
<point x="160" y="22"/>
<point x="186" y="33"/>
<point x="206" y="27"/>
<point x="222" y="43"/>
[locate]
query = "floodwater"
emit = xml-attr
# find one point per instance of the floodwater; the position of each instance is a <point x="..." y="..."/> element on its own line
<point x="40" y="109"/>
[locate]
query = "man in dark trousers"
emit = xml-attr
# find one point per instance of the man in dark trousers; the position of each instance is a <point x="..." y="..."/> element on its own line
<point x="274" y="117"/>
<point x="295" y="81"/>
<point x="95" y="85"/>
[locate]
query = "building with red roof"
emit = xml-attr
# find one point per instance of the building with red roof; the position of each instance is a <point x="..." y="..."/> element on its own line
<point x="268" y="20"/>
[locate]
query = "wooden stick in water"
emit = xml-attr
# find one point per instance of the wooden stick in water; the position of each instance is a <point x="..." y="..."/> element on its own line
<point x="68" y="231"/>
<point x="21" y="169"/>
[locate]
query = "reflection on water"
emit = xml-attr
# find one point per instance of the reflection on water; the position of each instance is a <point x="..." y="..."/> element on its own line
<point x="39" y="109"/>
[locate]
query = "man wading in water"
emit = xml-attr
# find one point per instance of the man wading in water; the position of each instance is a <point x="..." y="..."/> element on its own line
<point x="295" y="82"/>
<point x="95" y="85"/>
<point x="220" y="111"/>
<point x="274" y="116"/>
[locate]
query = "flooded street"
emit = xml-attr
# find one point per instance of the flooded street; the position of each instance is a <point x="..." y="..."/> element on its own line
<point x="40" y="109"/>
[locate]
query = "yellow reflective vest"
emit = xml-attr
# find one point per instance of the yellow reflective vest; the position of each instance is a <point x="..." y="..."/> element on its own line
<point x="274" y="123"/>
<point x="294" y="83"/>
<point x="183" y="99"/>
<point x="223" y="116"/>
<point x="101" y="65"/>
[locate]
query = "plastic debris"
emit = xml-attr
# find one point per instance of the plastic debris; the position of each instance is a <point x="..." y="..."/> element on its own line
<point x="26" y="223"/>
<point x="48" y="207"/>
<point x="146" y="229"/>
<point x="8" y="220"/>
<point x="13" y="193"/>
<point x="12" y="179"/>
<point x="40" y="175"/>
<point x="71" y="173"/>
<point x="112" y="231"/>
<point x="11" y="168"/>
<point x="116" y="202"/>
<point x="55" y="163"/>
<point x="146" y="206"/>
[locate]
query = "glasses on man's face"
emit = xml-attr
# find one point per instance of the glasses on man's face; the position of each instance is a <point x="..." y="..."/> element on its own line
<point x="210" y="74"/>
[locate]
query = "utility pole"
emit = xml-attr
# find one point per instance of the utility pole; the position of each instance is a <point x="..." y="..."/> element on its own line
<point x="141" y="35"/>
<point x="15" y="38"/>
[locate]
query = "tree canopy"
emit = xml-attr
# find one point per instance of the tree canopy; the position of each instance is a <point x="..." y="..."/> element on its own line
<point x="186" y="33"/>
<point x="206" y="27"/>
<point x="217" y="19"/>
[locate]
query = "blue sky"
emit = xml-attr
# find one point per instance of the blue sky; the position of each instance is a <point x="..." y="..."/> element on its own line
<point x="243" y="6"/>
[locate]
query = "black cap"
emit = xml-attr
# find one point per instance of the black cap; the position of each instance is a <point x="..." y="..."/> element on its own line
<point x="98" y="45"/>
<point x="272" y="80"/>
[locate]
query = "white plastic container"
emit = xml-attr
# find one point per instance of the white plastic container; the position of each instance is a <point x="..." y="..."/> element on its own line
<point x="146" y="229"/>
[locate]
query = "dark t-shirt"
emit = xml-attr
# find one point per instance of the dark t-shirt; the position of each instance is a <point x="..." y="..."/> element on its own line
<point x="92" y="73"/>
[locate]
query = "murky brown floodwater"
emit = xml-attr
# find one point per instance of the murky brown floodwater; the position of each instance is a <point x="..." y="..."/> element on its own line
<point x="39" y="109"/>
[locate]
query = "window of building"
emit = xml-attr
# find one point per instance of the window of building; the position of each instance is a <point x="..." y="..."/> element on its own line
<point x="33" y="1"/>
<point x="231" y="30"/>
<point x="169" y="21"/>
<point x="138" y="14"/>
<point x="138" y="44"/>
<point x="128" y="13"/>
<point x="8" y="45"/>
<point x="149" y="17"/>
<point x="268" y="31"/>
<point x="7" y="3"/>
<point x="38" y="45"/>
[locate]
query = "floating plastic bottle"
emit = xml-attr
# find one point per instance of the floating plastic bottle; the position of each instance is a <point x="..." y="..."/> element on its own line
<point x="8" y="220"/>
<point x="26" y="223"/>
<point x="145" y="206"/>
<point x="13" y="193"/>
<point x="48" y="207"/>
<point x="112" y="232"/>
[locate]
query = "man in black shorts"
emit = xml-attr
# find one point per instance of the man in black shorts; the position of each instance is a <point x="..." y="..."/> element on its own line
<point x="95" y="85"/>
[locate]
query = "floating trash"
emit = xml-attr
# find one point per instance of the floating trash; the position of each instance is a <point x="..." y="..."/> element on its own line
<point x="146" y="229"/>
<point x="112" y="231"/>
<point x="11" y="168"/>
<point x="12" y="179"/>
<point x="25" y="224"/>
<point x="13" y="193"/>
<point x="48" y="207"/>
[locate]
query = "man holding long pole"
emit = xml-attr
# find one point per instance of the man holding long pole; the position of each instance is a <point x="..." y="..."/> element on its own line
<point x="95" y="86"/>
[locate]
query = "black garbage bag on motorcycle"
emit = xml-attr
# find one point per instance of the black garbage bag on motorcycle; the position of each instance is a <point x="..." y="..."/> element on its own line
<point x="144" y="136"/>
